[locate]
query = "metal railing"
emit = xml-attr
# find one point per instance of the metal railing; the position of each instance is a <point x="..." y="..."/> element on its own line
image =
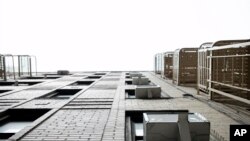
<point x="16" y="66"/>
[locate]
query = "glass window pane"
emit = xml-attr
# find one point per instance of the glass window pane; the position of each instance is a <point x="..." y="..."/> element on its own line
<point x="62" y="96"/>
<point x="138" y="129"/>
<point x="13" y="126"/>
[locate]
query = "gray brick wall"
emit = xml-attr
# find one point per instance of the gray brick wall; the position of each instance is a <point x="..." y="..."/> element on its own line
<point x="25" y="94"/>
<point x="98" y="93"/>
<point x="43" y="103"/>
<point x="71" y="125"/>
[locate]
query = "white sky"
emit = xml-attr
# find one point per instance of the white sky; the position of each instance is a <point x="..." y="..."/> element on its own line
<point x="81" y="35"/>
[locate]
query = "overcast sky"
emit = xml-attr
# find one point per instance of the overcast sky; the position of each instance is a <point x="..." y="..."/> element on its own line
<point x="81" y="35"/>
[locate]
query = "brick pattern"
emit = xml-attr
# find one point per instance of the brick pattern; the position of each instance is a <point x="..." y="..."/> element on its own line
<point x="13" y="87"/>
<point x="6" y="103"/>
<point x="71" y="125"/>
<point x="52" y="85"/>
<point x="169" y="89"/>
<point x="106" y="84"/>
<point x="115" y="74"/>
<point x="90" y="104"/>
<point x="25" y="94"/>
<point x="193" y="105"/>
<point x="115" y="128"/>
<point x="112" y="77"/>
<point x="83" y="118"/>
<point x="34" y="92"/>
<point x="86" y="106"/>
<point x="68" y="78"/>
<point x="43" y="103"/>
<point x="98" y="93"/>
<point x="93" y="99"/>
<point x="75" y="87"/>
<point x="99" y="112"/>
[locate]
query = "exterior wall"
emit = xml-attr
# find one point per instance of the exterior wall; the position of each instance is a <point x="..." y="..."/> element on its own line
<point x="98" y="111"/>
<point x="77" y="124"/>
<point x="94" y="113"/>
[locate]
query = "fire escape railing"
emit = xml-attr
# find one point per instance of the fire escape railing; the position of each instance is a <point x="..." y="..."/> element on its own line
<point x="16" y="66"/>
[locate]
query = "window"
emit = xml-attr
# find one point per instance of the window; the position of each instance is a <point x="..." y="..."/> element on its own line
<point x="13" y="126"/>
<point x="128" y="82"/>
<point x="78" y="75"/>
<point x="100" y="73"/>
<point x="62" y="93"/>
<point x="134" y="125"/>
<point x="20" y="83"/>
<point x="14" y="120"/>
<point x="145" y="92"/>
<point x="41" y="77"/>
<point x="6" y="83"/>
<point x="3" y="91"/>
<point x="93" y="77"/>
<point x="28" y="83"/>
<point x="164" y="125"/>
<point x="82" y="83"/>
<point x="138" y="131"/>
<point x="130" y="93"/>
<point x="127" y="76"/>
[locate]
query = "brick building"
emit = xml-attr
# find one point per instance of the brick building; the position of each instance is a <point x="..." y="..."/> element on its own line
<point x="95" y="106"/>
